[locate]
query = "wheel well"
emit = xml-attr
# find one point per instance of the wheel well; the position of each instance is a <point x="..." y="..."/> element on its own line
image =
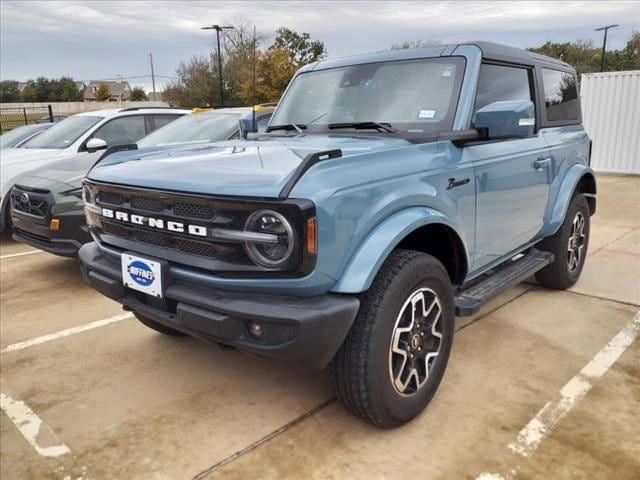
<point x="587" y="184"/>
<point x="443" y="243"/>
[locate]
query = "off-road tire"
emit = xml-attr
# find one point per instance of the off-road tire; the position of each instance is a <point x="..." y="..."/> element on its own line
<point x="361" y="368"/>
<point x="158" y="327"/>
<point x="558" y="275"/>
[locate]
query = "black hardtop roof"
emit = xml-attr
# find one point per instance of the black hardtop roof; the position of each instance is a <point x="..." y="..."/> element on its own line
<point x="499" y="52"/>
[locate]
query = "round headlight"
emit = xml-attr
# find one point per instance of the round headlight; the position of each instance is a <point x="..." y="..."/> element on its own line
<point x="270" y="254"/>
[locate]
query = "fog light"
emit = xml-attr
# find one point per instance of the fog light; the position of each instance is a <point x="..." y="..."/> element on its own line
<point x="54" y="224"/>
<point x="255" y="328"/>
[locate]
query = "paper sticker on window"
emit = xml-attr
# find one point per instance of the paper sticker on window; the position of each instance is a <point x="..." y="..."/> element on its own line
<point x="427" y="114"/>
<point x="447" y="72"/>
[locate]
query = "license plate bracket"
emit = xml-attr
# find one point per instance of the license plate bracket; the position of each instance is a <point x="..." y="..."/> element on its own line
<point x="143" y="274"/>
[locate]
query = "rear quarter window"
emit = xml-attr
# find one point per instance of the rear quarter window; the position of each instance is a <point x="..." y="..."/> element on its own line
<point x="560" y="96"/>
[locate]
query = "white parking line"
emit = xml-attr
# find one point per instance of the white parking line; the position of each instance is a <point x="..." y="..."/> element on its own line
<point x="32" y="427"/>
<point x="11" y="255"/>
<point x="573" y="391"/>
<point x="65" y="333"/>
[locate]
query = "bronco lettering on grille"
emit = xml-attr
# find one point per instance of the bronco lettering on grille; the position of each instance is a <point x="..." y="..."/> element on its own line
<point x="159" y="223"/>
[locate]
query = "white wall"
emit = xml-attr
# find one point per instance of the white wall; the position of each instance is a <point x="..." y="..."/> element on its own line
<point x="611" y="115"/>
<point x="77" y="107"/>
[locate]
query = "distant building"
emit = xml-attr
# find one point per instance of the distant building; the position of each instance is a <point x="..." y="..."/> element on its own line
<point x="21" y="86"/>
<point x="157" y="97"/>
<point x="120" y="90"/>
<point x="80" y="86"/>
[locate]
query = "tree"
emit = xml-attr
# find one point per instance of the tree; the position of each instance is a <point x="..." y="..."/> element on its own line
<point x="415" y="44"/>
<point x="299" y="46"/>
<point x="29" y="93"/>
<point x="138" y="94"/>
<point x="103" y="93"/>
<point x="172" y="94"/>
<point x="198" y="81"/>
<point x="9" y="91"/>
<point x="581" y="54"/>
<point x="273" y="73"/>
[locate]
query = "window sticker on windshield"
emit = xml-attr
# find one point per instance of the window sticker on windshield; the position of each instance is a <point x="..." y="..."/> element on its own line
<point x="426" y="114"/>
<point x="447" y="72"/>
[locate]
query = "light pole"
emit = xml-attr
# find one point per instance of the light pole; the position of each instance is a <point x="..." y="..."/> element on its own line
<point x="604" y="43"/>
<point x="218" y="29"/>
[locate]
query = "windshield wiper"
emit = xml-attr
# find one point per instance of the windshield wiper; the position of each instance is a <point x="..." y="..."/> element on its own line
<point x="298" y="127"/>
<point x="383" y="127"/>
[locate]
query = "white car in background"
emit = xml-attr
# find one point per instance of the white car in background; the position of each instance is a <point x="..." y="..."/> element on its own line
<point x="82" y="133"/>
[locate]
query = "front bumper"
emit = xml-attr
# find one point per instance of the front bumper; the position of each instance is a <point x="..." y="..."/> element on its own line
<point x="306" y="331"/>
<point x="35" y="231"/>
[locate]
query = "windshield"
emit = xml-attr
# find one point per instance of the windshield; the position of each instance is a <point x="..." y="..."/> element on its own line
<point x="202" y="127"/>
<point x="16" y="135"/>
<point x="64" y="133"/>
<point x="416" y="97"/>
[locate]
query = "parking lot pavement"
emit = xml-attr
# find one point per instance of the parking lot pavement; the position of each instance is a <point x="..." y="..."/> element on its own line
<point x="119" y="401"/>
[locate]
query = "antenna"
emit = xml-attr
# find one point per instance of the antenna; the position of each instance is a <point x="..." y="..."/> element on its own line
<point x="253" y="107"/>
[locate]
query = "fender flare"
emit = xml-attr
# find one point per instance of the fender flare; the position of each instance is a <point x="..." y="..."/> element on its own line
<point x="565" y="193"/>
<point x="376" y="247"/>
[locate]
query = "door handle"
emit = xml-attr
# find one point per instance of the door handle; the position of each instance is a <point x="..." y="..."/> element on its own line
<point x="541" y="163"/>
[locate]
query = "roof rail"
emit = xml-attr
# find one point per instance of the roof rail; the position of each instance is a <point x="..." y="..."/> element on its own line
<point x="131" y="109"/>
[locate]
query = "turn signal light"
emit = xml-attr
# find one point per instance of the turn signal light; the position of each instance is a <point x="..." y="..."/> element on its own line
<point x="311" y="235"/>
<point x="54" y="224"/>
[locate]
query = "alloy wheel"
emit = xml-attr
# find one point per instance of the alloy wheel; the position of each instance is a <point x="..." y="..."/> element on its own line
<point x="416" y="341"/>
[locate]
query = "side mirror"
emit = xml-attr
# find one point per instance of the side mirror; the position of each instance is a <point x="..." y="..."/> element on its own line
<point x="511" y="119"/>
<point x="96" y="144"/>
<point x="247" y="126"/>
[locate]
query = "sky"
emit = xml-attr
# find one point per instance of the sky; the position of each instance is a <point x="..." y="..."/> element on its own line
<point x="99" y="40"/>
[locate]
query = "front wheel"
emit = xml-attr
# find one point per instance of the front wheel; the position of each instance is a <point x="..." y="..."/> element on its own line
<point x="395" y="355"/>
<point x="569" y="246"/>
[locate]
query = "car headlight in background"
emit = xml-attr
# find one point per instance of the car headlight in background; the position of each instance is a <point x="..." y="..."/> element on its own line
<point x="91" y="210"/>
<point x="270" y="255"/>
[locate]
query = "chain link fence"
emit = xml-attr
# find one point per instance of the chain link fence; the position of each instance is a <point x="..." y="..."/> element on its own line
<point x="12" y="117"/>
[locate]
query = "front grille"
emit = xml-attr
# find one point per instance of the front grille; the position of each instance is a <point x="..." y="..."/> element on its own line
<point x="111" y="198"/>
<point x="146" y="204"/>
<point x="33" y="203"/>
<point x="159" y="239"/>
<point x="192" y="210"/>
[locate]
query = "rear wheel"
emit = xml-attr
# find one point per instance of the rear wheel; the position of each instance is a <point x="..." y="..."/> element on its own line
<point x="158" y="327"/>
<point x="395" y="355"/>
<point x="569" y="246"/>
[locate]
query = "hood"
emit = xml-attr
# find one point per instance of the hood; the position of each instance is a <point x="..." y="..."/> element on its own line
<point x="11" y="156"/>
<point x="67" y="171"/>
<point x="255" y="167"/>
<point x="15" y="161"/>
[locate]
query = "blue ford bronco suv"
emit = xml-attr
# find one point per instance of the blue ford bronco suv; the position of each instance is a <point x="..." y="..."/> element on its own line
<point x="390" y="193"/>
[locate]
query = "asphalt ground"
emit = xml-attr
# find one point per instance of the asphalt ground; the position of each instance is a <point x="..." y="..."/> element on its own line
<point x="541" y="384"/>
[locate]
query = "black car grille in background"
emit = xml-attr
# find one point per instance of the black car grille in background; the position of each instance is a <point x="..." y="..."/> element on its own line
<point x="33" y="202"/>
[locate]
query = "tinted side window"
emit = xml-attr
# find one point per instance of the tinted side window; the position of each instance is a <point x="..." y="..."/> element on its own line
<point x="122" y="131"/>
<point x="497" y="83"/>
<point x="161" y="120"/>
<point x="560" y="95"/>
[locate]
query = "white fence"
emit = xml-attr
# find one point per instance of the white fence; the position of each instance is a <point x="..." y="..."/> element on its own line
<point x="611" y="115"/>
<point x="69" y="108"/>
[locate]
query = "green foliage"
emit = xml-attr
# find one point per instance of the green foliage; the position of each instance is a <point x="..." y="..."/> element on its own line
<point x="299" y="46"/>
<point x="198" y="85"/>
<point x="138" y="94"/>
<point x="29" y="93"/>
<point x="585" y="57"/>
<point x="9" y="91"/>
<point x="103" y="93"/>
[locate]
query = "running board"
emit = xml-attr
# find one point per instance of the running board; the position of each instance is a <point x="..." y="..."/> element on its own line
<point x="469" y="300"/>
